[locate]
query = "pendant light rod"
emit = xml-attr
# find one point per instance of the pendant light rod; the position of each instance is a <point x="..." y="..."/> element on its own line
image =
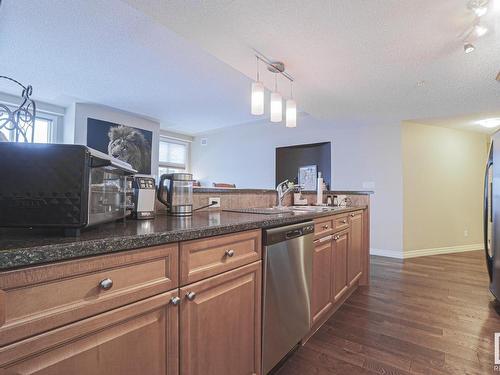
<point x="276" y="67"/>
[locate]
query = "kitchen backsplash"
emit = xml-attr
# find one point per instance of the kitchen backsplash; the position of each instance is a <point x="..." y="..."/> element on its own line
<point x="247" y="198"/>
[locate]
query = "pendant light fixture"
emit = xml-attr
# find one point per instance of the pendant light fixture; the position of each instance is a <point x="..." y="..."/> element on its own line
<point x="276" y="103"/>
<point x="257" y="95"/>
<point x="276" y="110"/>
<point x="291" y="110"/>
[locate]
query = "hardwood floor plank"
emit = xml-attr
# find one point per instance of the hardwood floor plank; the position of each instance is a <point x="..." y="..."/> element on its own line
<point x="429" y="315"/>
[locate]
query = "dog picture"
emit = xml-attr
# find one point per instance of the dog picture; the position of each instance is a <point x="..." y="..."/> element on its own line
<point x="126" y="143"/>
<point x="129" y="145"/>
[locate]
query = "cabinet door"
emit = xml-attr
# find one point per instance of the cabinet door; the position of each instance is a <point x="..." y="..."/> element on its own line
<point x="140" y="338"/>
<point x="322" y="279"/>
<point x="340" y="249"/>
<point x="355" y="248"/>
<point x="220" y="324"/>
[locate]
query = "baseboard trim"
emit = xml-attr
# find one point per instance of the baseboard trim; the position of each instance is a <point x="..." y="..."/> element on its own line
<point x="442" y="250"/>
<point x="387" y="253"/>
<point x="425" y="252"/>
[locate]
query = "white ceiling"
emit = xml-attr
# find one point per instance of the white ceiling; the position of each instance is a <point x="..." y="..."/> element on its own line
<point x="109" y="53"/>
<point x="353" y="60"/>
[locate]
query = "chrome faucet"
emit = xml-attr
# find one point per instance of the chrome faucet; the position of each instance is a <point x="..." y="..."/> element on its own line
<point x="283" y="189"/>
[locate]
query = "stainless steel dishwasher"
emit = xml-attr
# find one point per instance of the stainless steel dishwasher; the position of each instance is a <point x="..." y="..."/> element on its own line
<point x="286" y="317"/>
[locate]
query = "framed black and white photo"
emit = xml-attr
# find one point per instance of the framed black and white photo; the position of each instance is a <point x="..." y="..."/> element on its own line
<point x="307" y="177"/>
<point x="123" y="142"/>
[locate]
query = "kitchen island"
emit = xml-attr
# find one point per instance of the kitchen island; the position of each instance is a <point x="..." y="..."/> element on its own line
<point x="164" y="296"/>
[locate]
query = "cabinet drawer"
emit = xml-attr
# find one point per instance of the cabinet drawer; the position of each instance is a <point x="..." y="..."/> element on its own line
<point x="210" y="256"/>
<point x="37" y="299"/>
<point x="323" y="226"/>
<point x="341" y="222"/>
<point x="139" y="338"/>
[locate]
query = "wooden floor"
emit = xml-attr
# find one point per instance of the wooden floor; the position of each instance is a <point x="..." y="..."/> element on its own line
<point x="429" y="315"/>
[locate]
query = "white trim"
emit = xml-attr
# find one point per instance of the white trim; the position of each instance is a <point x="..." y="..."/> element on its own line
<point x="387" y="253"/>
<point x="425" y="252"/>
<point x="442" y="250"/>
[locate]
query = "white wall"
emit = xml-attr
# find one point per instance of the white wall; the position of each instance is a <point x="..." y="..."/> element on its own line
<point x="245" y="155"/>
<point x="76" y="125"/>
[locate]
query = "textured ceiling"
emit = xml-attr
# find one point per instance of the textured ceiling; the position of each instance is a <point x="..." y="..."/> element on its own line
<point x="353" y="60"/>
<point x="188" y="63"/>
<point x="107" y="52"/>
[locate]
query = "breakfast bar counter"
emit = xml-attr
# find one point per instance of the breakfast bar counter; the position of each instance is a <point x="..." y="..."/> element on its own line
<point x="29" y="247"/>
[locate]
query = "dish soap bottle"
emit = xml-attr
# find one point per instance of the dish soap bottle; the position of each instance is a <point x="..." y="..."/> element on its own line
<point x="319" y="192"/>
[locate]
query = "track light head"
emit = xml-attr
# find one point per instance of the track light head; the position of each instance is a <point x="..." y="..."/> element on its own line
<point x="469" y="47"/>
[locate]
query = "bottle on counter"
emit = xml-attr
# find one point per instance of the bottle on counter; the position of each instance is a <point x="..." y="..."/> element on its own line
<point x="319" y="192"/>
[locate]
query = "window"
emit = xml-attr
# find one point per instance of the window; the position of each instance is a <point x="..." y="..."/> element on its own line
<point x="44" y="130"/>
<point x="173" y="155"/>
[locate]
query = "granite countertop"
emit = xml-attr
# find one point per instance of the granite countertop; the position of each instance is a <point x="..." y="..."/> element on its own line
<point x="29" y="247"/>
<point x="267" y="191"/>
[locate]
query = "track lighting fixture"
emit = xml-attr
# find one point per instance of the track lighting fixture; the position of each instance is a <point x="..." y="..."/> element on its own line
<point x="469" y="47"/>
<point x="276" y="109"/>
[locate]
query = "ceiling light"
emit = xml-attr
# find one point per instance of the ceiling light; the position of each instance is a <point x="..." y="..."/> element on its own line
<point x="257" y="98"/>
<point x="489" y="122"/>
<point x="257" y="95"/>
<point x="480" y="11"/>
<point x="479" y="7"/>
<point x="480" y="30"/>
<point x="291" y="113"/>
<point x="469" y="47"/>
<point x="276" y="107"/>
<point x="291" y="110"/>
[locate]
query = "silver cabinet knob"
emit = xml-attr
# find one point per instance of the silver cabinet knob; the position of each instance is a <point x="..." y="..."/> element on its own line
<point x="325" y="227"/>
<point x="344" y="221"/>
<point x="175" y="301"/>
<point x="191" y="296"/>
<point x="106" y="284"/>
<point x="352" y="215"/>
<point x="229" y="253"/>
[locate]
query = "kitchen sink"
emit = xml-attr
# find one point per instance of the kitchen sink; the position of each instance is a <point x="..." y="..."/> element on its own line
<point x="283" y="210"/>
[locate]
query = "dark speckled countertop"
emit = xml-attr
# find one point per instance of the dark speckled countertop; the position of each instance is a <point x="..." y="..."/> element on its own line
<point x="28" y="247"/>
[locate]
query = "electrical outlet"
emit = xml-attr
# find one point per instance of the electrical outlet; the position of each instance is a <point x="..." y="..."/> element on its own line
<point x="214" y="199"/>
<point x="466" y="232"/>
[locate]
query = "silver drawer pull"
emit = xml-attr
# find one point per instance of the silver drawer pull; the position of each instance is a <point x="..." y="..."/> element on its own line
<point x="229" y="253"/>
<point x="191" y="296"/>
<point x="106" y="284"/>
<point x="325" y="227"/>
<point x="344" y="221"/>
<point x="175" y="301"/>
<point x="352" y="215"/>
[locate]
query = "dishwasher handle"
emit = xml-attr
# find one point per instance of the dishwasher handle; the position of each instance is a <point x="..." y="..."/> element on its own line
<point x="293" y="233"/>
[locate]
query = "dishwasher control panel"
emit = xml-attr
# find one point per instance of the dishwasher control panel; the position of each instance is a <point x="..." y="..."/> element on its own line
<point x="289" y="232"/>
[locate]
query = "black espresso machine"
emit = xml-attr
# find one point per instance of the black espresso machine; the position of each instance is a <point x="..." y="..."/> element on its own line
<point x="60" y="186"/>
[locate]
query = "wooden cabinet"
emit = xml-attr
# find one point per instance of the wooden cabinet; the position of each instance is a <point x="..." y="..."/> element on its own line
<point x="322" y="278"/>
<point x="207" y="257"/>
<point x="220" y="324"/>
<point x="36" y="299"/>
<point x="140" y="338"/>
<point x="354" y="257"/>
<point x="338" y="261"/>
<point x="340" y="256"/>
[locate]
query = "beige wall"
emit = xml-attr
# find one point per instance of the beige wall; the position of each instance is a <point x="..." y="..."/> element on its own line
<point x="443" y="171"/>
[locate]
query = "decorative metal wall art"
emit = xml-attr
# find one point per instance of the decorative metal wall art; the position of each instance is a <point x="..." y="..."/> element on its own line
<point x="22" y="120"/>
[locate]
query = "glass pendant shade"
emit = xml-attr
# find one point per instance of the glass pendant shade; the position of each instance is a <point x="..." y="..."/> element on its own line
<point x="276" y="107"/>
<point x="291" y="113"/>
<point x="257" y="98"/>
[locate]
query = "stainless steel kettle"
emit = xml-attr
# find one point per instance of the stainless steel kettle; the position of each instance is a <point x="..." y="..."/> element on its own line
<point x="178" y="196"/>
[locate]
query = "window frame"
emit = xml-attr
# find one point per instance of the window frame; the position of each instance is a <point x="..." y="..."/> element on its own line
<point x="186" y="167"/>
<point x="53" y="127"/>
